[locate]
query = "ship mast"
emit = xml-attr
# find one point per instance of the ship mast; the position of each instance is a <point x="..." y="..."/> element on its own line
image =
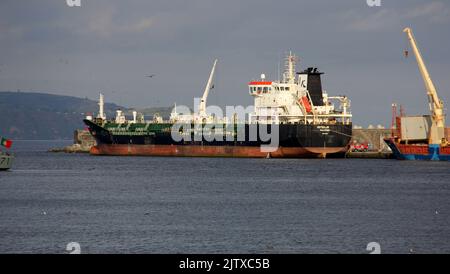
<point x="202" y="105"/>
<point x="101" y="104"/>
<point x="289" y="73"/>
<point x="437" y="130"/>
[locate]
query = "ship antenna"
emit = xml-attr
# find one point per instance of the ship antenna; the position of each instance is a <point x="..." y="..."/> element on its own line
<point x="279" y="57"/>
<point x="289" y="73"/>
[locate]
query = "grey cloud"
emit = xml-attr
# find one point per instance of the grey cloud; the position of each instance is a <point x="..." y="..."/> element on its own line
<point x="430" y="12"/>
<point x="109" y="45"/>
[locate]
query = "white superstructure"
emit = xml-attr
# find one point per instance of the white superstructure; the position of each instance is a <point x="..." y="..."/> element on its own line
<point x="297" y="98"/>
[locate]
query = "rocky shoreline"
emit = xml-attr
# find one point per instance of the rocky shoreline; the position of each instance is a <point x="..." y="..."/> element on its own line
<point x="74" y="148"/>
<point x="82" y="143"/>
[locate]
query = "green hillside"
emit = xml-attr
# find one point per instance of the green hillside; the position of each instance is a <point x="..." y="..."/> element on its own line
<point x="40" y="116"/>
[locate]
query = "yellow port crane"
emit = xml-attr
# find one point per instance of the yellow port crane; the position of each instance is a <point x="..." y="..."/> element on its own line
<point x="437" y="129"/>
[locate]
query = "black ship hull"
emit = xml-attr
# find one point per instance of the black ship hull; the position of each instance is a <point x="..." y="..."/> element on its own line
<point x="291" y="141"/>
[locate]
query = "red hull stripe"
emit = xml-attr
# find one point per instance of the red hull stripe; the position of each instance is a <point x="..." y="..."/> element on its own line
<point x="211" y="151"/>
<point x="413" y="149"/>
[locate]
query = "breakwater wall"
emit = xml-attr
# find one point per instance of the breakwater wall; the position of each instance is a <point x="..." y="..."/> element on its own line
<point x="373" y="137"/>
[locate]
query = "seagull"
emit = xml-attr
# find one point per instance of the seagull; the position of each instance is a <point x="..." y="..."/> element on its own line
<point x="150" y="76"/>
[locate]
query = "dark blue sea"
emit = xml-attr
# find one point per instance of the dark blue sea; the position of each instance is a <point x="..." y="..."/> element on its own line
<point x="220" y="205"/>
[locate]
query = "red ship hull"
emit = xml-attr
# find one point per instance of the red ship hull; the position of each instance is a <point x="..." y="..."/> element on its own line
<point x="213" y="151"/>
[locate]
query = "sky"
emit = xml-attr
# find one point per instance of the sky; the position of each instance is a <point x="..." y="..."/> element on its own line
<point x="110" y="46"/>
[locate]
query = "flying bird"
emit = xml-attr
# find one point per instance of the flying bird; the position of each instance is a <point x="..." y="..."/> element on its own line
<point x="150" y="76"/>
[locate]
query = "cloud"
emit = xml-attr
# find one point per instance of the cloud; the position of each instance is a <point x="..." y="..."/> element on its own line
<point x="103" y="23"/>
<point x="11" y="32"/>
<point x="140" y="26"/>
<point x="377" y="21"/>
<point x="436" y="12"/>
<point x="110" y="44"/>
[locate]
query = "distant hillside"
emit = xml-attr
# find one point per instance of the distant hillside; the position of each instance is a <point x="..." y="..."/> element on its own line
<point x="40" y="116"/>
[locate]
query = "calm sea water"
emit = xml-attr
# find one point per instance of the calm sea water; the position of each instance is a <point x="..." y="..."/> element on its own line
<point x="217" y="205"/>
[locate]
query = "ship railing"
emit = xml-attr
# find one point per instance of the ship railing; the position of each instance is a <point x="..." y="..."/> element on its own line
<point x="348" y="116"/>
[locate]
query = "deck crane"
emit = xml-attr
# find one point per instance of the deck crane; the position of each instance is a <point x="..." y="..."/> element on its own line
<point x="202" y="105"/>
<point x="437" y="129"/>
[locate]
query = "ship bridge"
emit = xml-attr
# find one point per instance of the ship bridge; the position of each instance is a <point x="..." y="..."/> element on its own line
<point x="257" y="88"/>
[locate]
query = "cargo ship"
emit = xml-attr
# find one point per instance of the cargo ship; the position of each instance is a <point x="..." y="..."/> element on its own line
<point x="291" y="118"/>
<point x="421" y="137"/>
